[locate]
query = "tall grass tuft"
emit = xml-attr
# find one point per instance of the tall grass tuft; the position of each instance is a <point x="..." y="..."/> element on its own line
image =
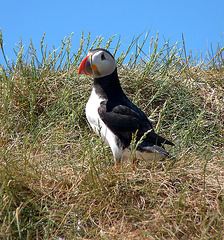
<point x="57" y="177"/>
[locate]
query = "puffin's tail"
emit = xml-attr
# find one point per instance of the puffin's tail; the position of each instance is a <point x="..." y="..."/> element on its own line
<point x="158" y="140"/>
<point x="150" y="148"/>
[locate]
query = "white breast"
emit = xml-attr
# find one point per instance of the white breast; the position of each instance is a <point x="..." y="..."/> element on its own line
<point x="107" y="135"/>
<point x="98" y="125"/>
<point x="92" y="110"/>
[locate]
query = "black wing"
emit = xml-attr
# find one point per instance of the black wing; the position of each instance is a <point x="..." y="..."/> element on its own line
<point x="124" y="120"/>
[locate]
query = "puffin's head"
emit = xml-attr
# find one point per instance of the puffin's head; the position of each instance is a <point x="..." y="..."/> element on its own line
<point x="98" y="63"/>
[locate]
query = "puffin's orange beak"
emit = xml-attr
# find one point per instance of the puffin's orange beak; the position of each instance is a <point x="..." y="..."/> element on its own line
<point x="85" y="66"/>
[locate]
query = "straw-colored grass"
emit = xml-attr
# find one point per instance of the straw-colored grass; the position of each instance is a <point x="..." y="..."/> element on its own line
<point x="57" y="178"/>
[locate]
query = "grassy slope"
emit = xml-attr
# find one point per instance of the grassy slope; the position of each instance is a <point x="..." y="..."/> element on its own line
<point x="57" y="177"/>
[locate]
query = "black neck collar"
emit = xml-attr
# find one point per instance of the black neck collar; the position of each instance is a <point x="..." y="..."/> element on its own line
<point x="109" y="87"/>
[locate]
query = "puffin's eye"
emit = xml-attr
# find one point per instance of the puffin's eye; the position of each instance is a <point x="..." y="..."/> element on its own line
<point x="102" y="57"/>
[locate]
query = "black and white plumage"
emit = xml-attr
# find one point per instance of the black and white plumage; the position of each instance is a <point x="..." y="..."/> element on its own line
<point x="112" y="115"/>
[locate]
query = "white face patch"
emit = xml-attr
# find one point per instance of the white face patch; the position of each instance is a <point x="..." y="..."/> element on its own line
<point x="104" y="63"/>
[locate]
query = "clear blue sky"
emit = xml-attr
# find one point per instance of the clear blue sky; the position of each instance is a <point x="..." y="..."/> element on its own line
<point x="201" y="21"/>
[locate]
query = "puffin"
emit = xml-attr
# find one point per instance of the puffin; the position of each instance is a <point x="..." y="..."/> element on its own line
<point x="114" y="117"/>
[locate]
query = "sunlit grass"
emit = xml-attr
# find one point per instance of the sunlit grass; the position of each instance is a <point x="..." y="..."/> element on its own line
<point x="57" y="177"/>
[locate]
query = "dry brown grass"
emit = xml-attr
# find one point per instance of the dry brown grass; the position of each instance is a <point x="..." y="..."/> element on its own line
<point x="57" y="177"/>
